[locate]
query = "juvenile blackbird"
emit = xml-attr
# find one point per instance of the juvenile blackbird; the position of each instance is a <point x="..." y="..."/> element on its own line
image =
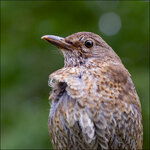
<point x="94" y="101"/>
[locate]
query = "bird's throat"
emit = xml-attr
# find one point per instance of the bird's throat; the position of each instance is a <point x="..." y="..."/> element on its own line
<point x="72" y="59"/>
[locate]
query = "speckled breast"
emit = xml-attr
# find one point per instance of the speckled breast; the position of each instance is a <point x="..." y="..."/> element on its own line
<point x="94" y="109"/>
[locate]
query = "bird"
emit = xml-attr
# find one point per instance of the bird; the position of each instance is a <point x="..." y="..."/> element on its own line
<point x="93" y="102"/>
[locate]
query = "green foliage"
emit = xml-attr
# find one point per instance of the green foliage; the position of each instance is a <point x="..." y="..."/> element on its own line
<point x="27" y="61"/>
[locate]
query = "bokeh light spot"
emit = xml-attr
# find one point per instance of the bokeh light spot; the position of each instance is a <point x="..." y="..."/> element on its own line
<point x="110" y="23"/>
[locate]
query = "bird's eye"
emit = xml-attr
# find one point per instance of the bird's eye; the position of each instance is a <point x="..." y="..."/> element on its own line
<point x="88" y="44"/>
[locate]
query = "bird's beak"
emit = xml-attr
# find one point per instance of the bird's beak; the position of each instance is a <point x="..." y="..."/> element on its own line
<point x="57" y="41"/>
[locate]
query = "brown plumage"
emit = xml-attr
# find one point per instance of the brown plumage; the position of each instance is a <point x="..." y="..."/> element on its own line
<point x="94" y="102"/>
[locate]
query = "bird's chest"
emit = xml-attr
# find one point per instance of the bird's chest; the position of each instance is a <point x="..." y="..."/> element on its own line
<point x="69" y="123"/>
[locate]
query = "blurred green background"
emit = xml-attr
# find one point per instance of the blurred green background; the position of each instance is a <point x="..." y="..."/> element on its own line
<point x="27" y="61"/>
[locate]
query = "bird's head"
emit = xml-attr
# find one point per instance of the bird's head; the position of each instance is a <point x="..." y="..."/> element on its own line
<point x="82" y="48"/>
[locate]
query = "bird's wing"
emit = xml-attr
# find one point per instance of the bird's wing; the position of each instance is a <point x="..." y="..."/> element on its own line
<point x="75" y="118"/>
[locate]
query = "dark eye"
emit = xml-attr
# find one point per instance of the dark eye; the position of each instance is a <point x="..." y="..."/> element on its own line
<point x="88" y="44"/>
